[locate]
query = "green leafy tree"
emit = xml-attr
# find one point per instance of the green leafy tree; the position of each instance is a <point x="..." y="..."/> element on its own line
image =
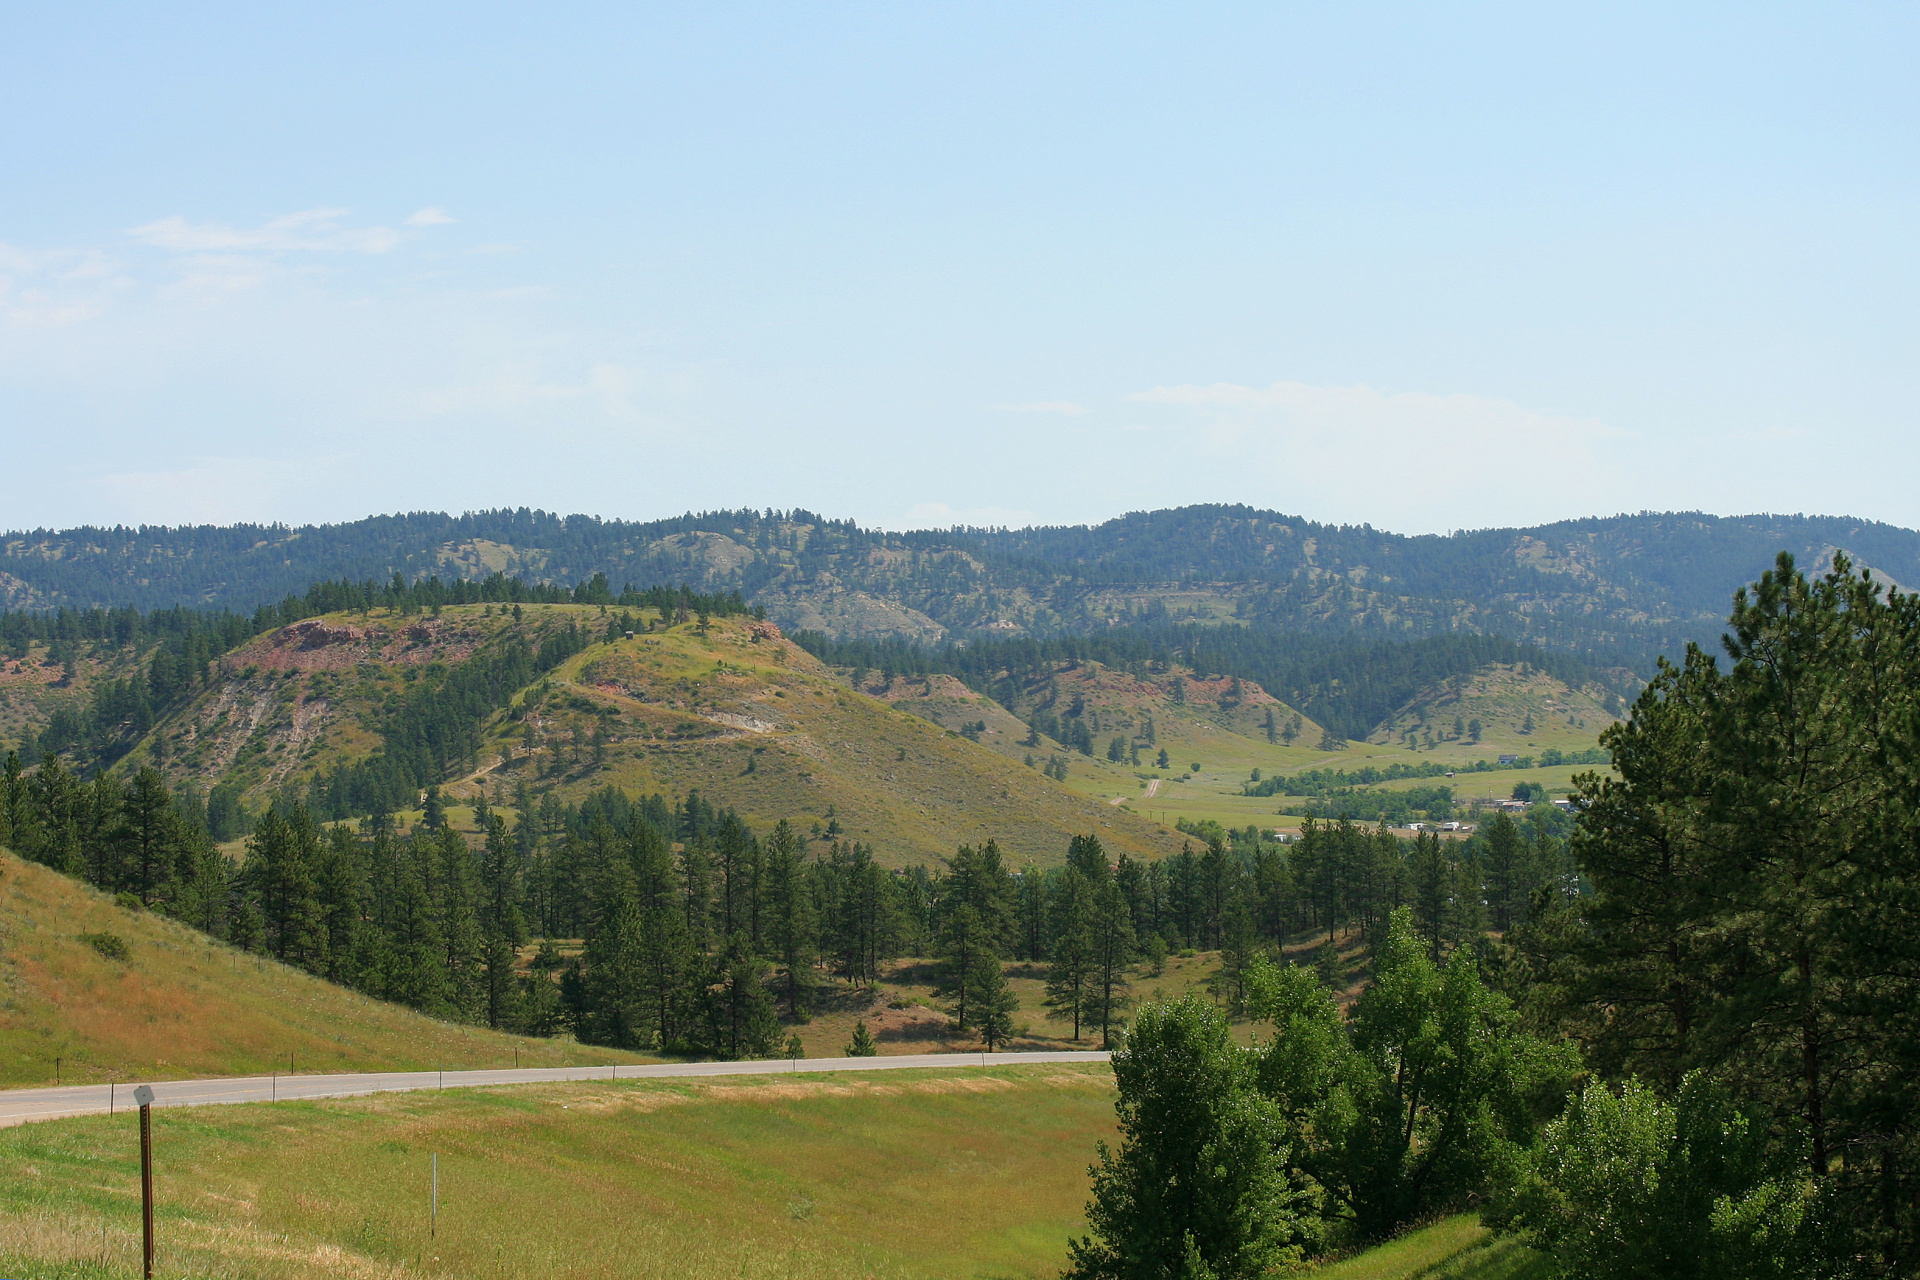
<point x="1425" y="1097"/>
<point x="1626" y="1185"/>
<point x="1198" y="1186"/>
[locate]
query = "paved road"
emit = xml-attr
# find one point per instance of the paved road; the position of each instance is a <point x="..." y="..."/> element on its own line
<point x="18" y="1106"/>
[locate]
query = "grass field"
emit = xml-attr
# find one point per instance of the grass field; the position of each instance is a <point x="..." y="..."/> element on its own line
<point x="183" y="1004"/>
<point x="959" y="1173"/>
<point x="904" y="1016"/>
<point x="963" y="1173"/>
<point x="951" y="1174"/>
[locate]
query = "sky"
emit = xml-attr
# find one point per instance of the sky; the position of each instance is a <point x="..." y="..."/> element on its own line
<point x="1422" y="267"/>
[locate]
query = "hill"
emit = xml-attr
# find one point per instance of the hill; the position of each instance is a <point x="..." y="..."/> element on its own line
<point x="1497" y="709"/>
<point x="361" y="710"/>
<point x="182" y="1004"/>
<point x="1621" y="588"/>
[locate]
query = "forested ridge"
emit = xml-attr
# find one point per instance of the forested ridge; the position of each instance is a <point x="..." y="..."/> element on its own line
<point x="1617" y="589"/>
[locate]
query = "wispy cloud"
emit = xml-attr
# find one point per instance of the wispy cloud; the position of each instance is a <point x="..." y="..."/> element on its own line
<point x="431" y="216"/>
<point x="310" y="230"/>
<point x="1406" y="459"/>
<point x="213" y="490"/>
<point x="1066" y="407"/>
<point x="53" y="288"/>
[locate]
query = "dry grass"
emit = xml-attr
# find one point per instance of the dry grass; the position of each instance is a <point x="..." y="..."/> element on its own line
<point x="186" y="1005"/>
<point x="919" y="1174"/>
<point x="923" y="1025"/>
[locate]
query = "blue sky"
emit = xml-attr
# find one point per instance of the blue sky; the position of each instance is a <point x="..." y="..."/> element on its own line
<point x="1427" y="267"/>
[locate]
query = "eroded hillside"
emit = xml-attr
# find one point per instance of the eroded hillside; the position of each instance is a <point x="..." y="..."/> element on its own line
<point x="728" y="707"/>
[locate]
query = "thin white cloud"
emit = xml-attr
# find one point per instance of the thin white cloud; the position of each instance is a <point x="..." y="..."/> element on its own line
<point x="1407" y="460"/>
<point x="310" y="230"/>
<point x="214" y="490"/>
<point x="53" y="288"/>
<point x="431" y="216"/>
<point x="1066" y="407"/>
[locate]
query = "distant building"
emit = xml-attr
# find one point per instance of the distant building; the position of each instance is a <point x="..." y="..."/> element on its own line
<point x="1509" y="759"/>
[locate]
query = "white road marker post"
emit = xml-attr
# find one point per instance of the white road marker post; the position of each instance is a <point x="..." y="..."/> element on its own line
<point x="433" y="1228"/>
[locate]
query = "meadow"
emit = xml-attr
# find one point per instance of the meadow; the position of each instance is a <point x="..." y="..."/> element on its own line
<point x="951" y="1173"/>
<point x="915" y="1174"/>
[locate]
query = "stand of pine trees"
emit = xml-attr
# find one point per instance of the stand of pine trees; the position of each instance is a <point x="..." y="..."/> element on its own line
<point x="700" y="937"/>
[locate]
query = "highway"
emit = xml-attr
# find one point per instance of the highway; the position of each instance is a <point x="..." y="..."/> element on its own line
<point x="19" y="1106"/>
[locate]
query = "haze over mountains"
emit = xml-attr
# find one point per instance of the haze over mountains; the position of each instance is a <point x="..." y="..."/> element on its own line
<point x="1616" y="589"/>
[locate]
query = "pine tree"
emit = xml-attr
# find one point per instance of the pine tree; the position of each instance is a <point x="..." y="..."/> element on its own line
<point x="740" y="1011"/>
<point x="993" y="1000"/>
<point x="792" y="929"/>
<point x="962" y="942"/>
<point x="150" y="836"/>
<point x="1071" y="956"/>
<point x="503" y="931"/>
<point x="1110" y="932"/>
<point x="461" y="939"/>
<point x="862" y="1045"/>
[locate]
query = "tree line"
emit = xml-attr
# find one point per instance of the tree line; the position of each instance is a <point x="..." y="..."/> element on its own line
<point x="662" y="892"/>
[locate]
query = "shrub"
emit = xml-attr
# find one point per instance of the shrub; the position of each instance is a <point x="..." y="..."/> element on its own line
<point x="110" y="945"/>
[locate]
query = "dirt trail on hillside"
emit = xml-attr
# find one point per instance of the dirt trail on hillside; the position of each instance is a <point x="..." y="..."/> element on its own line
<point x="1153" y="788"/>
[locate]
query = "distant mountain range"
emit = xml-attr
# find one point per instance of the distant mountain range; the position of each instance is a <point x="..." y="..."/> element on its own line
<point x="1616" y="589"/>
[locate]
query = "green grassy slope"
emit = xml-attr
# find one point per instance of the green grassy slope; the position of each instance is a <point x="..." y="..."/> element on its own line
<point x="1456" y="1248"/>
<point x="1206" y="724"/>
<point x="1503" y="698"/>
<point x="185" y="1005"/>
<point x="945" y="1174"/>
